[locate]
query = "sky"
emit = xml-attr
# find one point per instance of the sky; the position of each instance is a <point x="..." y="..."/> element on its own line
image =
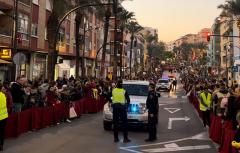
<point x="175" y="18"/>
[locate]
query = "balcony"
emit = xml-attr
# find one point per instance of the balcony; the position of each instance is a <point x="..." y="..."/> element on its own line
<point x="27" y="2"/>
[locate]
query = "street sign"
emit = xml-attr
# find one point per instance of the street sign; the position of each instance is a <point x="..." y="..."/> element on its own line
<point x="170" y="122"/>
<point x="19" y="58"/>
<point x="235" y="69"/>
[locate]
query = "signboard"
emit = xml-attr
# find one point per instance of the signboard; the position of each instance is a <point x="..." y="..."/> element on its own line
<point x="5" y="53"/>
<point x="19" y="58"/>
<point x="235" y="69"/>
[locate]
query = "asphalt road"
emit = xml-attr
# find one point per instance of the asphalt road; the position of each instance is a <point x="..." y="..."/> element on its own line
<point x="86" y="135"/>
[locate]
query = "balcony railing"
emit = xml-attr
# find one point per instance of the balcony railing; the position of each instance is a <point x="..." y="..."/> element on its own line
<point x="27" y="2"/>
<point x="5" y="32"/>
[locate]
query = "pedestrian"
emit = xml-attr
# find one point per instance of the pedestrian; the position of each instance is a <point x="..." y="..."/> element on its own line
<point x="174" y="85"/>
<point x="152" y="106"/>
<point x="205" y="104"/>
<point x="18" y="93"/>
<point x="120" y="101"/>
<point x="3" y="116"/>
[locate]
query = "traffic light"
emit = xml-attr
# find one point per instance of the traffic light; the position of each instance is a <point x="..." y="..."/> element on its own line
<point x="208" y="36"/>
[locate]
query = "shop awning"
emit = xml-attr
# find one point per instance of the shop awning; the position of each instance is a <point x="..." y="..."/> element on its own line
<point x="4" y="62"/>
<point x="64" y="66"/>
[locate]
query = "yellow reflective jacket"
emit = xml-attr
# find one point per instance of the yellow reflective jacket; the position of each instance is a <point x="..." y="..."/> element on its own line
<point x="3" y="106"/>
<point x="118" y="96"/>
<point x="205" y="102"/>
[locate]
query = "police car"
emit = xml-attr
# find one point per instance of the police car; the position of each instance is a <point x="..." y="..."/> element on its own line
<point x="164" y="84"/>
<point x="137" y="112"/>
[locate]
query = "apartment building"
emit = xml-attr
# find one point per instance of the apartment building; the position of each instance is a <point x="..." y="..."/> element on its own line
<point x="33" y="16"/>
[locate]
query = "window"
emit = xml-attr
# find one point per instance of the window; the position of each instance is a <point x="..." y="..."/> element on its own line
<point x="48" y="5"/>
<point x="45" y="33"/>
<point x="23" y="21"/>
<point x="68" y="38"/>
<point x="34" y="29"/>
<point x="61" y="36"/>
<point x="35" y="2"/>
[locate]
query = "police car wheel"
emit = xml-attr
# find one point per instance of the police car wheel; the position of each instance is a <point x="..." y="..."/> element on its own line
<point x="107" y="126"/>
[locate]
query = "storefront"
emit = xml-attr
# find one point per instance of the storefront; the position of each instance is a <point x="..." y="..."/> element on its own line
<point x="66" y="68"/>
<point x="38" y="66"/>
<point x="90" y="71"/>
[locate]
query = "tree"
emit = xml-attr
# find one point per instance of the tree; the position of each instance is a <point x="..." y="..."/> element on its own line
<point x="133" y="28"/>
<point x="79" y="23"/>
<point x="59" y="8"/>
<point x="124" y="17"/>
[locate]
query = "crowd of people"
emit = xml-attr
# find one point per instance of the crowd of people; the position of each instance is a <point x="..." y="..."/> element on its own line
<point x="216" y="97"/>
<point x="24" y="94"/>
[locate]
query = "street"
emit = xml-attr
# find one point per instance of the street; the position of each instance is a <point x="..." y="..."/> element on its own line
<point x="179" y="130"/>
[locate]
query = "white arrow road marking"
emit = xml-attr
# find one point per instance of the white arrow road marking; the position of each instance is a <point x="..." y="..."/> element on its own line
<point x="172" y="110"/>
<point x="200" y="136"/>
<point x="176" y="119"/>
<point x="174" y="147"/>
<point x="162" y="104"/>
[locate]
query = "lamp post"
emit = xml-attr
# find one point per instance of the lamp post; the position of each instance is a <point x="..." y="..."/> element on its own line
<point x="115" y="10"/>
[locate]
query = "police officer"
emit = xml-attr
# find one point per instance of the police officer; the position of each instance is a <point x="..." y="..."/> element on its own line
<point x="205" y="104"/>
<point x="120" y="101"/>
<point x="152" y="106"/>
<point x="3" y="116"/>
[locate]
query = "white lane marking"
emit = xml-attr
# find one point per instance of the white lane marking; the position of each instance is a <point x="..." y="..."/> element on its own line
<point x="162" y="104"/>
<point x="172" y="110"/>
<point x="195" y="137"/>
<point x="174" y="147"/>
<point x="170" y="121"/>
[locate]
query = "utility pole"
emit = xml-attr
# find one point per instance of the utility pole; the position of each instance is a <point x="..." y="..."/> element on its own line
<point x="83" y="53"/>
<point x="115" y="61"/>
<point x="14" y="38"/>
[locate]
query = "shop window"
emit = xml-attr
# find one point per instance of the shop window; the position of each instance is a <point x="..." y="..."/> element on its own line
<point x="34" y="29"/>
<point x="23" y="69"/>
<point x="23" y="21"/>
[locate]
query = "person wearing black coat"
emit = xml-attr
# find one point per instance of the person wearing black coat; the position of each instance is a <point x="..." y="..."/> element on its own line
<point x="152" y="106"/>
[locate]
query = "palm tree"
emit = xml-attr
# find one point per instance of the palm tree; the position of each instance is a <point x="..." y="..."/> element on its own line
<point x="107" y="15"/>
<point x="124" y="17"/>
<point x="133" y="28"/>
<point x="231" y="8"/>
<point x="59" y="8"/>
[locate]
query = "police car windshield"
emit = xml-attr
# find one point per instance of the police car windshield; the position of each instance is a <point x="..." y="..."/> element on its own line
<point x="136" y="90"/>
<point x="163" y="81"/>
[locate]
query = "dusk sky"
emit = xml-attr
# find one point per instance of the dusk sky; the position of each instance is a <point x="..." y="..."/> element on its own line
<point x="175" y="18"/>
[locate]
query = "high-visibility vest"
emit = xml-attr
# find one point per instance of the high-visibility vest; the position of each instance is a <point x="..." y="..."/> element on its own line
<point x="95" y="93"/>
<point x="3" y="106"/>
<point x="205" y="100"/>
<point x="118" y="96"/>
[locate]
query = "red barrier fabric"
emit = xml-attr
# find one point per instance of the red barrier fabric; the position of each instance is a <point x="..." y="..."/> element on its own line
<point x="227" y="137"/>
<point x="59" y="112"/>
<point x="11" y="127"/>
<point x="24" y="121"/>
<point x="37" y="118"/>
<point x="48" y="116"/>
<point x="215" y="131"/>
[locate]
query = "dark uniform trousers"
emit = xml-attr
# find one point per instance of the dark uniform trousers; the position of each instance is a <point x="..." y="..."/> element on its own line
<point x="152" y="126"/>
<point x="2" y="131"/>
<point x="120" y="114"/>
